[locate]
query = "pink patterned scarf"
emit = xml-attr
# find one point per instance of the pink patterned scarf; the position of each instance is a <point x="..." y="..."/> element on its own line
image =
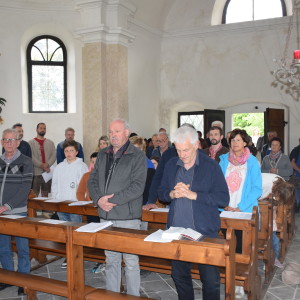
<point x="239" y="160"/>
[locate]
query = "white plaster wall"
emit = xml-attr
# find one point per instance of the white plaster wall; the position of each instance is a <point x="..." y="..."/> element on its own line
<point x="144" y="85"/>
<point x="222" y="66"/>
<point x="17" y="28"/>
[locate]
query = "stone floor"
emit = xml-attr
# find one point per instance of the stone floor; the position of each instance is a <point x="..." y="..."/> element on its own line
<point x="160" y="286"/>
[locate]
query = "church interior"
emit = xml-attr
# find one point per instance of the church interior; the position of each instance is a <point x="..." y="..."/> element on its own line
<point x="146" y="61"/>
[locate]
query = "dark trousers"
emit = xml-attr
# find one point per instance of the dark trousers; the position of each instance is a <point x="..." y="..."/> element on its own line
<point x="210" y="278"/>
<point x="239" y="239"/>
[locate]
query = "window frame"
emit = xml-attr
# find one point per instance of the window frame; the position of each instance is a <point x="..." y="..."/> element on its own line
<point x="283" y="5"/>
<point x="185" y="113"/>
<point x="31" y="63"/>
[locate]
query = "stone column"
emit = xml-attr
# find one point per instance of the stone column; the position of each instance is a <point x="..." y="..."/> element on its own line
<point x="105" y="66"/>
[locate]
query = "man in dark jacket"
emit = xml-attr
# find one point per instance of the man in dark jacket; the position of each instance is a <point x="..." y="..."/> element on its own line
<point x="195" y="187"/>
<point x="15" y="182"/>
<point x="116" y="186"/>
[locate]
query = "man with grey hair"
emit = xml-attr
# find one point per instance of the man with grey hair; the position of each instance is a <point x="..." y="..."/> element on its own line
<point x="116" y="186"/>
<point x="69" y="136"/>
<point x="15" y="180"/>
<point x="150" y="149"/>
<point x="195" y="187"/>
<point x="24" y="147"/>
<point x="163" y="144"/>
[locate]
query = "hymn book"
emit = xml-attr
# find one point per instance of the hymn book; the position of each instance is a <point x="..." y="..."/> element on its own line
<point x="180" y="233"/>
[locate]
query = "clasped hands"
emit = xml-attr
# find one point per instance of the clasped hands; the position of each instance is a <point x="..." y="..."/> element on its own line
<point x="104" y="204"/>
<point x="182" y="190"/>
<point x="45" y="167"/>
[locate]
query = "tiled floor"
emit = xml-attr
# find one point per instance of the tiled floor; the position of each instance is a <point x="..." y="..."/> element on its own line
<point x="160" y="286"/>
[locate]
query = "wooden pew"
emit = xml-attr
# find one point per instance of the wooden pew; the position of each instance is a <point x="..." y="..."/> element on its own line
<point x="246" y="263"/>
<point x="211" y="251"/>
<point x="291" y="217"/>
<point x="31" y="228"/>
<point x="265" y="236"/>
<point x="247" y="271"/>
<point x="36" y="205"/>
<point x="282" y="232"/>
<point x="216" y="252"/>
<point x="61" y="233"/>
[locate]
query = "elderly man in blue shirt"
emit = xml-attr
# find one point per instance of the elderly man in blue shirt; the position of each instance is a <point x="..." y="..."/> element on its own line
<point x="195" y="187"/>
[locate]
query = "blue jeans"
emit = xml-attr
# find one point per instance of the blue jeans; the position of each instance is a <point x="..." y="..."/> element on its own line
<point x="113" y="265"/>
<point x="69" y="217"/>
<point x="210" y="278"/>
<point x="6" y="254"/>
<point x="275" y="242"/>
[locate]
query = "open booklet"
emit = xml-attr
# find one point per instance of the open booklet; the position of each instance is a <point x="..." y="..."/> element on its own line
<point x="174" y="233"/>
<point x="180" y="233"/>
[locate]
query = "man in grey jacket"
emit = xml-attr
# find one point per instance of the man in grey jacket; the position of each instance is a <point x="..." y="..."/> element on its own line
<point x="116" y="186"/>
<point x="15" y="182"/>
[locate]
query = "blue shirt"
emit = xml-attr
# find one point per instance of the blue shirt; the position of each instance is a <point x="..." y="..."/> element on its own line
<point x="183" y="209"/>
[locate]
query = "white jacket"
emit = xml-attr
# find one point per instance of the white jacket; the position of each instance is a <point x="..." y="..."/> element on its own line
<point x="66" y="178"/>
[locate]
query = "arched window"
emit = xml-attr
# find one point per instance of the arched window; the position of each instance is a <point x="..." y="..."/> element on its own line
<point x="250" y="10"/>
<point x="47" y="75"/>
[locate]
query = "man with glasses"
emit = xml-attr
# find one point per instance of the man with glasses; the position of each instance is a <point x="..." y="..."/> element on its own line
<point x="163" y="144"/>
<point x="24" y="147"/>
<point x="15" y="183"/>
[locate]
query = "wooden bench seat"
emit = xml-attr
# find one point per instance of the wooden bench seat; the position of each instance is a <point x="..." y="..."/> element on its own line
<point x="265" y="236"/>
<point x="282" y="231"/>
<point x="211" y="251"/>
<point x="33" y="283"/>
<point x="97" y="294"/>
<point x="246" y="267"/>
<point x="247" y="262"/>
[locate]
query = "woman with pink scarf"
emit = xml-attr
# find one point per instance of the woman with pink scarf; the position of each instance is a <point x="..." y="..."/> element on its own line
<point x="242" y="173"/>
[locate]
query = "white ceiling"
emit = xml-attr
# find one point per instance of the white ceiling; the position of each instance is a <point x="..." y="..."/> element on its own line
<point x="150" y="12"/>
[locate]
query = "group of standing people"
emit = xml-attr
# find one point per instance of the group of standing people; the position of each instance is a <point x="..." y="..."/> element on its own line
<point x="196" y="183"/>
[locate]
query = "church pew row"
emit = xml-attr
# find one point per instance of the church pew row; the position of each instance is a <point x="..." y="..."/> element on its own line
<point x="265" y="237"/>
<point x="247" y="269"/>
<point x="246" y="263"/>
<point x="57" y="234"/>
<point x="217" y="252"/>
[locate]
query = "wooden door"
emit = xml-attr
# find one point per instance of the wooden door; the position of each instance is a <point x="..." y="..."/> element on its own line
<point x="274" y="121"/>
<point x="211" y="115"/>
